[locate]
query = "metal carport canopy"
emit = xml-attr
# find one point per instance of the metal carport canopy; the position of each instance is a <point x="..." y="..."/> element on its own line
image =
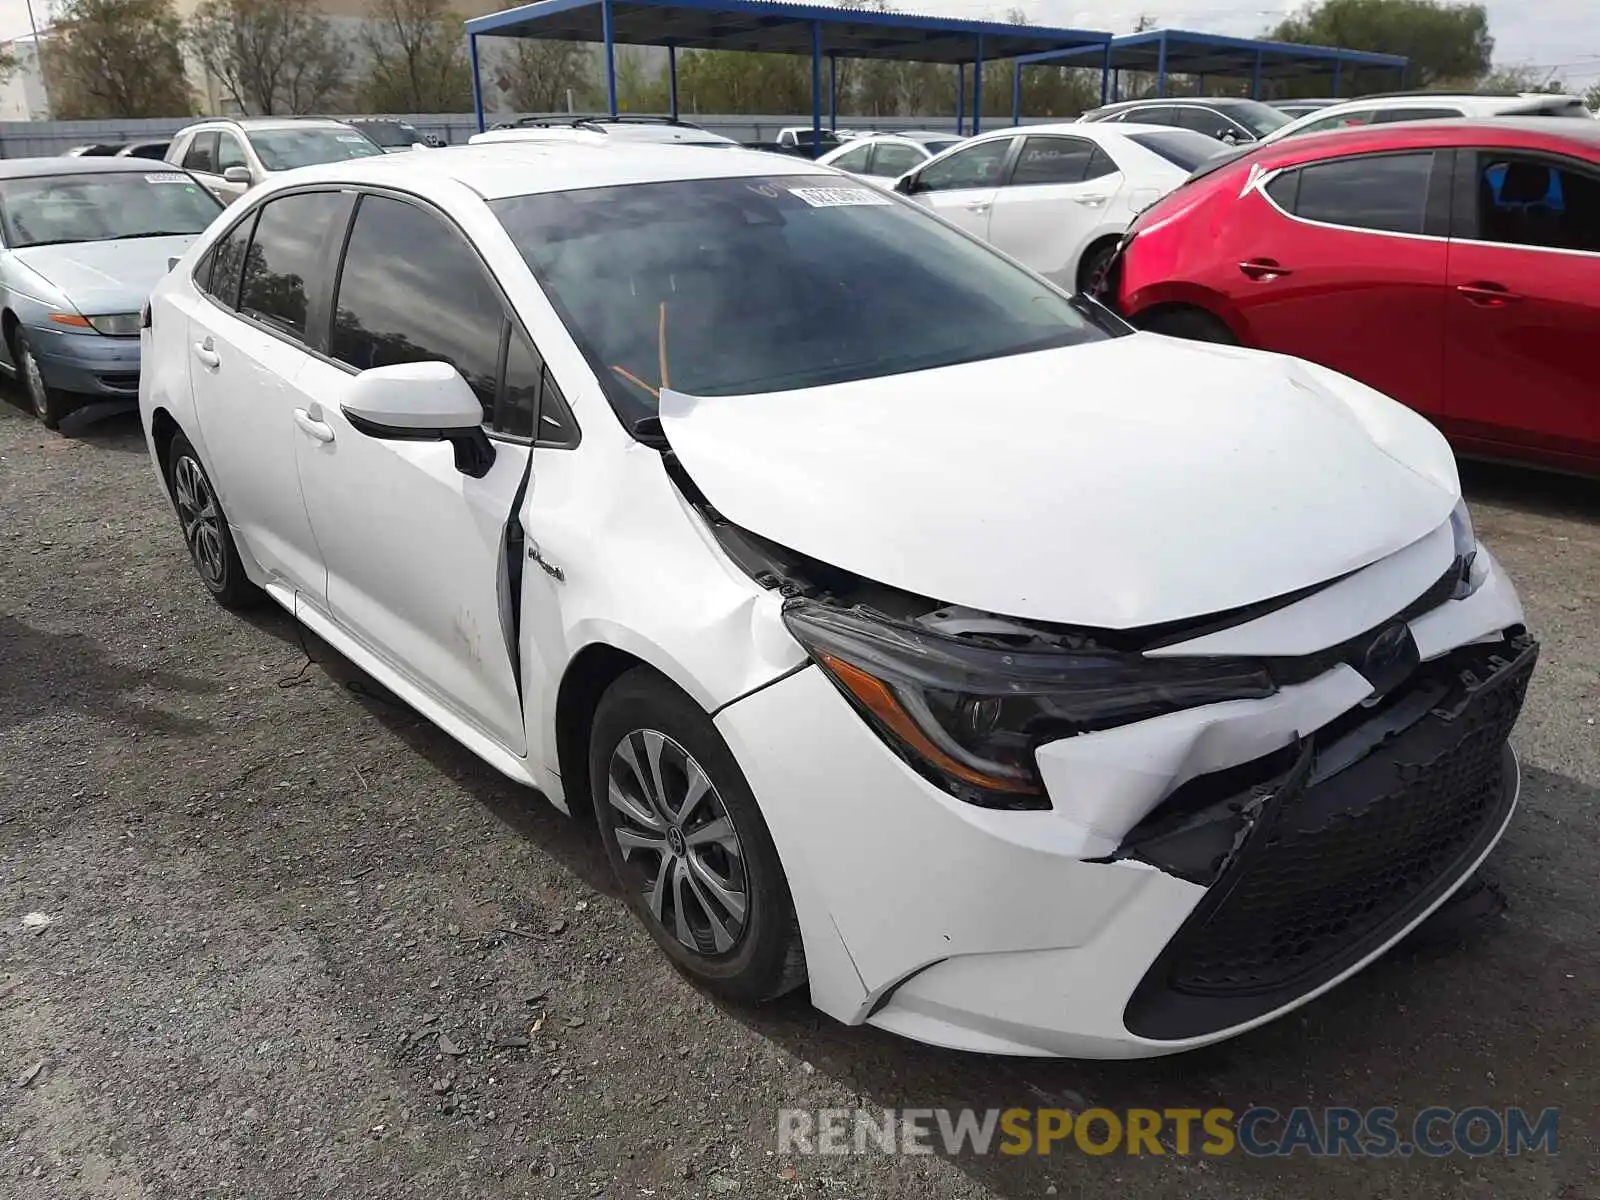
<point x="819" y="31"/>
<point x="1163" y="52"/>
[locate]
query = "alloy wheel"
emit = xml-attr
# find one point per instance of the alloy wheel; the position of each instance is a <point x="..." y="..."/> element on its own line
<point x="672" y="826"/>
<point x="201" y="521"/>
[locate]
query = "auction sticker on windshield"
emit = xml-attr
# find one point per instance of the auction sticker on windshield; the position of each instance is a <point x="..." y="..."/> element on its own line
<point x="167" y="177"/>
<point x="839" y="197"/>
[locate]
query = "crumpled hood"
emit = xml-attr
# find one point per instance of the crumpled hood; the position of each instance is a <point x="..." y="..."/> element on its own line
<point x="105" y="277"/>
<point x="1118" y="484"/>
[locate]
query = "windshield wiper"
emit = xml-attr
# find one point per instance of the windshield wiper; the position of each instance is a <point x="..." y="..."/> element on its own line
<point x="128" y="237"/>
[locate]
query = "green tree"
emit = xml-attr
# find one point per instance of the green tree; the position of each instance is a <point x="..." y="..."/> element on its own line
<point x="116" y="58"/>
<point x="1443" y="41"/>
<point x="536" y="75"/>
<point x="733" y="81"/>
<point x="638" y="90"/>
<point x="417" y="52"/>
<point x="270" y="56"/>
<point x="1592" y="96"/>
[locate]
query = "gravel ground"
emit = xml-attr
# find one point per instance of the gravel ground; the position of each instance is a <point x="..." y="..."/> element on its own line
<point x="302" y="944"/>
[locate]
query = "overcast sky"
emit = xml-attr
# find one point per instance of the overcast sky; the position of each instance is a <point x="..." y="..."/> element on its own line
<point x="1560" y="34"/>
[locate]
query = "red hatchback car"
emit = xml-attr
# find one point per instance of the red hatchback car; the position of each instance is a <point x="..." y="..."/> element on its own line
<point x="1452" y="265"/>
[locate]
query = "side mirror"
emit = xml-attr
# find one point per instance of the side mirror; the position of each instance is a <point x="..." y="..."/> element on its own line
<point x="237" y="175"/>
<point x="421" y="402"/>
<point x="1228" y="136"/>
<point x="906" y="185"/>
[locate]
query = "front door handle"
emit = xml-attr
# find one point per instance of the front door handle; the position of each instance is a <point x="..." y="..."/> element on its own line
<point x="208" y="356"/>
<point x="978" y="206"/>
<point x="310" y="425"/>
<point x="1486" y="294"/>
<point x="1263" y="269"/>
<point x="1090" y="201"/>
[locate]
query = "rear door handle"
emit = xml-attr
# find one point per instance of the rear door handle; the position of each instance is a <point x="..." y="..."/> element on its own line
<point x="1090" y="201"/>
<point x="208" y="356"/>
<point x="978" y="206"/>
<point x="1263" y="269"/>
<point x="310" y="425"/>
<point x="1486" y="294"/>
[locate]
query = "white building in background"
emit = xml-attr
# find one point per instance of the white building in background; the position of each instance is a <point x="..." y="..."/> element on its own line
<point x="22" y="96"/>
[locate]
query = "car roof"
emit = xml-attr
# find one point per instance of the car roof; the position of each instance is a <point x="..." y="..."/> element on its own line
<point x="601" y="132"/>
<point x="1181" y="101"/>
<point x="1508" y="132"/>
<point x="27" y="168"/>
<point x="517" y="168"/>
<point x="249" y="123"/>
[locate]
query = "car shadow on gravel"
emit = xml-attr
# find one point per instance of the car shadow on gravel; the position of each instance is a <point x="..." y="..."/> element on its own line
<point x="1546" y="493"/>
<point x="524" y="810"/>
<point x="47" y="673"/>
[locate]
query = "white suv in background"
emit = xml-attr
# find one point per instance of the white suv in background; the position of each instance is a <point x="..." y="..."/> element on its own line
<point x="1430" y="106"/>
<point x="230" y="157"/>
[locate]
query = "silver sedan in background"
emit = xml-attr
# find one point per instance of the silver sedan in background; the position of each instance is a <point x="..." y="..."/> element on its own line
<point x="82" y="243"/>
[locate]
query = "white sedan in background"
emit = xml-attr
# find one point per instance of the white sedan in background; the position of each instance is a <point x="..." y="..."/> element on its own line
<point x="887" y="156"/>
<point x="1025" y="683"/>
<point x="1058" y="197"/>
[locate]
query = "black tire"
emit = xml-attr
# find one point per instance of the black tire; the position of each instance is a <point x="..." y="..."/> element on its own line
<point x="1193" y="323"/>
<point x="764" y="958"/>
<point x="49" y="404"/>
<point x="1092" y="267"/>
<point x="205" y="529"/>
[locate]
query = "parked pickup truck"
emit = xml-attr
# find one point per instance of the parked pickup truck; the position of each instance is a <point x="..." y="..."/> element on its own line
<point x="798" y="140"/>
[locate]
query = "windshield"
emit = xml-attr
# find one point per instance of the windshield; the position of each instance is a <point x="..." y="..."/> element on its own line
<point x="47" y="210"/>
<point x="807" y="137"/>
<point x="737" y="286"/>
<point x="1260" y="119"/>
<point x="1180" y="147"/>
<point x="391" y="133"/>
<point x="285" y="149"/>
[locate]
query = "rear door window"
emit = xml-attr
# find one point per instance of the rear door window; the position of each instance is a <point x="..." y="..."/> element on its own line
<point x="285" y="264"/>
<point x="853" y="160"/>
<point x="1052" y="160"/>
<point x="1156" y="114"/>
<point x="202" y="153"/>
<point x="893" y="159"/>
<point x="1387" y="193"/>
<point x="226" y="264"/>
<point x="1527" y="200"/>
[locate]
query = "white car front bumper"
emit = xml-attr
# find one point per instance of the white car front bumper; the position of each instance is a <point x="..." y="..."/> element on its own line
<point x="1026" y="933"/>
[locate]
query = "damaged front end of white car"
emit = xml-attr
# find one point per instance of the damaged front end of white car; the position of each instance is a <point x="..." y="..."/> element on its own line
<point x="1199" y="719"/>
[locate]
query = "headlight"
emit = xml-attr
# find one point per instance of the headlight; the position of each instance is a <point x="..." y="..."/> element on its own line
<point x="117" y="324"/>
<point x="111" y="324"/>
<point x="969" y="714"/>
<point x="1466" y="541"/>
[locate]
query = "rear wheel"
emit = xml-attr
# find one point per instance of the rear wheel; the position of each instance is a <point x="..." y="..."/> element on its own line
<point x="1092" y="269"/>
<point x="1193" y="323"/>
<point x="49" y="404"/>
<point x="688" y="843"/>
<point x="205" y="529"/>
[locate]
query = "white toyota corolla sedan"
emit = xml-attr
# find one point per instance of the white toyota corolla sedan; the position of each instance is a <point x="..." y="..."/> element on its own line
<point x="1024" y="683"/>
<point x="1058" y="198"/>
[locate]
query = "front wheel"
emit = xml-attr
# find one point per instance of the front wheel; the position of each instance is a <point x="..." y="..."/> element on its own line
<point x="687" y="842"/>
<point x="49" y="404"/>
<point x="1193" y="323"/>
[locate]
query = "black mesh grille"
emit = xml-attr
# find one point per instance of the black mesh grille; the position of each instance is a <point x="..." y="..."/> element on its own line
<point x="1333" y="867"/>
